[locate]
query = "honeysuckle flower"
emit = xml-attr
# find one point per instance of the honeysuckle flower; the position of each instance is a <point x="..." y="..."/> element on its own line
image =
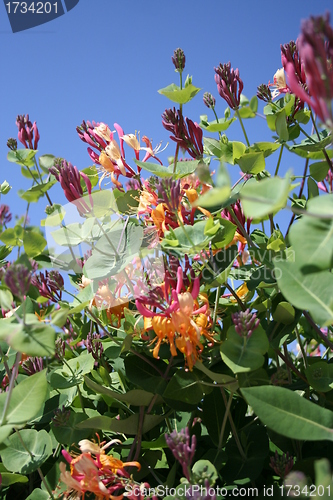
<point x="28" y="133"/>
<point x="5" y="214"/>
<point x="176" y="317"/>
<point x="94" y="472"/>
<point x="103" y="132"/>
<point x="113" y="151"/>
<point x="132" y="141"/>
<point x="70" y="181"/>
<point x="229" y="84"/>
<point x="316" y="52"/>
<point x="279" y="83"/>
<point x="185" y="132"/>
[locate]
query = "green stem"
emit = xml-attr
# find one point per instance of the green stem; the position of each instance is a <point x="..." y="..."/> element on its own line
<point x="279" y="161"/>
<point x="11" y="387"/>
<point x="300" y="343"/>
<point x="232" y="291"/>
<point x="233" y="427"/>
<point x="244" y="131"/>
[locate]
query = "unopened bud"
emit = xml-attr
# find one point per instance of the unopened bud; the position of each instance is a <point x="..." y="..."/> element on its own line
<point x="178" y="60"/>
<point x="209" y="100"/>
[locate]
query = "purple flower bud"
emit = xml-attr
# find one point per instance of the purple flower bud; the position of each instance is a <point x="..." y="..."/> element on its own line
<point x="316" y="53"/>
<point x="28" y="133"/>
<point x="178" y="60"/>
<point x="70" y="181"/>
<point x="203" y="493"/>
<point x="183" y="448"/>
<point x="245" y="322"/>
<point x="264" y="93"/>
<point x="5" y="214"/>
<point x="229" y="84"/>
<point x="50" y="285"/>
<point x="209" y="100"/>
<point x="33" y="365"/>
<point x="60" y="347"/>
<point x="185" y="132"/>
<point x="94" y="346"/>
<point x="281" y="464"/>
<point x="169" y="193"/>
<point x="12" y="144"/>
<point x="18" y="279"/>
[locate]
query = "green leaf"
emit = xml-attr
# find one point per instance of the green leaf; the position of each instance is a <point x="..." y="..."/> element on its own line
<point x="312" y="292"/>
<point x="289" y="414"/>
<point x="202" y="470"/>
<point x="214" y="126"/>
<point x="27" y="399"/>
<point x="6" y="299"/>
<point x="12" y="236"/>
<point x="320" y="376"/>
<point x="284" y="313"/>
<point x="184" y="386"/>
<point x="312" y="238"/>
<point x="46" y="162"/>
<point x="34" y="339"/>
<point x="312" y="143"/>
<point x="146" y="375"/>
<point x="246" y="112"/>
<point x="180" y="96"/>
<point x="5" y="187"/>
<point x="128" y="425"/>
<point x="267" y="148"/>
<point x="213" y="410"/>
<point x="136" y="397"/>
<point x="244" y="354"/>
<point x="254" y="103"/>
<point x="220" y="378"/>
<point x="71" y="432"/>
<point x="104" y="261"/>
<point x="281" y="126"/>
<point x="34" y="243"/>
<point x="265" y="197"/>
<point x="183" y="168"/>
<point x="26" y="458"/>
<point x="8" y="478"/>
<point x="319" y="170"/>
<point x="253" y="163"/>
<point x="38" y="494"/>
<point x="35" y="192"/>
<point x="23" y="157"/>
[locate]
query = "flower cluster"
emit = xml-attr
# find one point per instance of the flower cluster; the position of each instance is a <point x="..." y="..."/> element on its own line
<point x="104" y="150"/>
<point x="93" y="471"/>
<point x="28" y="133"/>
<point x="186" y="133"/>
<point x="245" y="323"/>
<point x="176" y="316"/>
<point x="229" y="84"/>
<point x="183" y="448"/>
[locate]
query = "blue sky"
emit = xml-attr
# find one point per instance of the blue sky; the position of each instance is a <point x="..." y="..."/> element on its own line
<point x="105" y="61"/>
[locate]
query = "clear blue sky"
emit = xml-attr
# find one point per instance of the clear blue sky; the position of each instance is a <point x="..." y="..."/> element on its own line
<point x="105" y="61"/>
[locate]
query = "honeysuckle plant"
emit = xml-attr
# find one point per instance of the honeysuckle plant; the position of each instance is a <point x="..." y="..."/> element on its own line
<point x="163" y="332"/>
